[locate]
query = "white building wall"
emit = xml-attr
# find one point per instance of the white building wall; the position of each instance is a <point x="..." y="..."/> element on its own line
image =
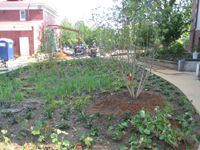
<point x="198" y="18"/>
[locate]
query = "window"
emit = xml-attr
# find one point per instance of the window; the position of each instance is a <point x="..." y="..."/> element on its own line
<point x="22" y="15"/>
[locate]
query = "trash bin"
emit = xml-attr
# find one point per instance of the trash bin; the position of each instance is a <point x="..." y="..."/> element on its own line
<point x="93" y="52"/>
<point x="195" y="55"/>
<point x="6" y="49"/>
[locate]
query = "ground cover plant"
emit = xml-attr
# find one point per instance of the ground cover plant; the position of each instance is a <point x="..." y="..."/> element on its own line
<point x="84" y="103"/>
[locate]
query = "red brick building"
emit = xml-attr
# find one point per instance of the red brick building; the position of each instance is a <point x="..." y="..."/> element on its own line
<point x="195" y="26"/>
<point x="23" y="22"/>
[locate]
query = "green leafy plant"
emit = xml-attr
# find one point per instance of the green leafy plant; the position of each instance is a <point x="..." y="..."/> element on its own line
<point x="41" y="129"/>
<point x="7" y="114"/>
<point x="82" y="116"/>
<point x="154" y="77"/>
<point x="182" y="101"/>
<point x="162" y="80"/>
<point x="86" y="139"/>
<point x="146" y="87"/>
<point x="116" y="133"/>
<point x="161" y="84"/>
<point x="95" y="130"/>
<point x="160" y="127"/>
<point x="136" y="141"/>
<point x="13" y="120"/>
<point x="177" y="92"/>
<point x="126" y="116"/>
<point x="6" y="139"/>
<point x="171" y="97"/>
<point x="166" y="92"/>
<point x="61" y="144"/>
<point x="64" y="116"/>
<point x="158" y="89"/>
<point x="28" y="115"/>
<point x="171" y="87"/>
<point x="167" y="83"/>
<point x="154" y="81"/>
<point x="96" y="115"/>
<point x="62" y="126"/>
<point x="109" y="117"/>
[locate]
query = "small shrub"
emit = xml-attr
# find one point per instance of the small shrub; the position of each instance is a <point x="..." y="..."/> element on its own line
<point x="147" y="84"/>
<point x="86" y="139"/>
<point x="158" y="89"/>
<point x="171" y="97"/>
<point x="167" y="83"/>
<point x="177" y="92"/>
<point x="82" y="116"/>
<point x="116" y="133"/>
<point x="162" y="80"/>
<point x="7" y="114"/>
<point x="171" y="87"/>
<point x="182" y="101"/>
<point x="161" y="84"/>
<point x="28" y="115"/>
<point x="154" y="78"/>
<point x="166" y="92"/>
<point x="62" y="126"/>
<point x="146" y="87"/>
<point x="109" y="117"/>
<point x="126" y="116"/>
<point x="154" y="81"/>
<point x="13" y="120"/>
<point x="186" y="108"/>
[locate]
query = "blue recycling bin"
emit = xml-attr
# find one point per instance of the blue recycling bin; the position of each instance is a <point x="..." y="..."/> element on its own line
<point x="6" y="49"/>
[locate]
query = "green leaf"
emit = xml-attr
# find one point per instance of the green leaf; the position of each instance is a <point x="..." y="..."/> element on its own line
<point x="6" y="139"/>
<point x="194" y="137"/>
<point x="123" y="148"/>
<point x="4" y="131"/>
<point x="54" y="140"/>
<point x="188" y="147"/>
<point x="185" y="124"/>
<point x="147" y="131"/>
<point x="124" y="124"/>
<point x="53" y="135"/>
<point x="40" y="138"/>
<point x="161" y="137"/>
<point x="192" y="127"/>
<point x="110" y="128"/>
<point x="35" y="132"/>
<point x="66" y="143"/>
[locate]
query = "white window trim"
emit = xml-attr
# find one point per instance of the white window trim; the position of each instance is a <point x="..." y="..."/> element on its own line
<point x="24" y="14"/>
<point x="46" y="16"/>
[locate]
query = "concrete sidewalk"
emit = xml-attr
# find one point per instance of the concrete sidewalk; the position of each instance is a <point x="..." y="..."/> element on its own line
<point x="19" y="62"/>
<point x="185" y="81"/>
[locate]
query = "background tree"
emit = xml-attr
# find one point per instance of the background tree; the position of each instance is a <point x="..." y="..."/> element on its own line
<point x="49" y="41"/>
<point x="68" y="37"/>
<point x="173" y="19"/>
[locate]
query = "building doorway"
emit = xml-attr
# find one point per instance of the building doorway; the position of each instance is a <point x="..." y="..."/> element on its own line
<point x="24" y="46"/>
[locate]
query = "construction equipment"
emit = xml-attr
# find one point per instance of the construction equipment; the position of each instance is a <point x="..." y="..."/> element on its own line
<point x="79" y="39"/>
<point x="87" y="49"/>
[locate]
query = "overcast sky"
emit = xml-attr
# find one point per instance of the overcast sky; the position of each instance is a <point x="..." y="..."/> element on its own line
<point x="76" y="10"/>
